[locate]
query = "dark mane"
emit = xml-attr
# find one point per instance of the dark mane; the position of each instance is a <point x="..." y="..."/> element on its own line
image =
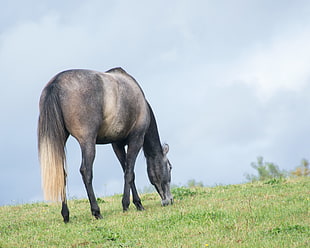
<point x="152" y="145"/>
<point x="117" y="69"/>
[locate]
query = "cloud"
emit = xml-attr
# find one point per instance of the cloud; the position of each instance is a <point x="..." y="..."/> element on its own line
<point x="278" y="65"/>
<point x="253" y="105"/>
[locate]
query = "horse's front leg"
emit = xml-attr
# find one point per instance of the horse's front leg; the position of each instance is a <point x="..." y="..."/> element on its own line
<point x="136" y="199"/>
<point x="121" y="155"/>
<point x="129" y="176"/>
<point x="88" y="155"/>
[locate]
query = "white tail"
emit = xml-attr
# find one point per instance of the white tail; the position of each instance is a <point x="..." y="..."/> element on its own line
<point x="52" y="170"/>
<point x="51" y="142"/>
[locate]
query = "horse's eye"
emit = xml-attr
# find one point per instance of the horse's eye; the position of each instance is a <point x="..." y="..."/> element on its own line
<point x="169" y="164"/>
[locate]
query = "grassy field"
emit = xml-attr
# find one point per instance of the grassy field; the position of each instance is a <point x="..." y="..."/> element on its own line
<point x="274" y="213"/>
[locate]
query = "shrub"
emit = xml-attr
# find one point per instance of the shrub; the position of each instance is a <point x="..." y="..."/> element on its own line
<point x="303" y="170"/>
<point x="265" y="170"/>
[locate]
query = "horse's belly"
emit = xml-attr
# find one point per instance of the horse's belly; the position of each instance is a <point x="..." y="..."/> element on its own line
<point x="112" y="132"/>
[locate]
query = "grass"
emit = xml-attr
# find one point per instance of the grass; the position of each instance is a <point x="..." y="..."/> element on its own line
<point x="274" y="213"/>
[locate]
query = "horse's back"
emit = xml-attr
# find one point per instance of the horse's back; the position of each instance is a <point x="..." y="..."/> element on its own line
<point x="107" y="106"/>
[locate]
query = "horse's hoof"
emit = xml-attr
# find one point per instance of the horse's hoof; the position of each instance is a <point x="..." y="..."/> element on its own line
<point x="66" y="220"/>
<point x="139" y="207"/>
<point x="98" y="216"/>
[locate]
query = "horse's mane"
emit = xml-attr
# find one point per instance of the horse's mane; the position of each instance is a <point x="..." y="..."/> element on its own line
<point x="117" y="69"/>
<point x="152" y="145"/>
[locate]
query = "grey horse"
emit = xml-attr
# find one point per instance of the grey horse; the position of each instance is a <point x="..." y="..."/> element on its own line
<point x="99" y="108"/>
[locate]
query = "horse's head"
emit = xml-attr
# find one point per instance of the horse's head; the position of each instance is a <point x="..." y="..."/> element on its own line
<point x="159" y="171"/>
<point x="166" y="182"/>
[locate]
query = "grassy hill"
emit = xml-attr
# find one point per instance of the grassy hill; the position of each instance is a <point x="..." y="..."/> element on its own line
<point x="274" y="213"/>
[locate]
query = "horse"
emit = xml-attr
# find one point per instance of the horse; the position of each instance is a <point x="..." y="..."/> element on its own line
<point x="99" y="108"/>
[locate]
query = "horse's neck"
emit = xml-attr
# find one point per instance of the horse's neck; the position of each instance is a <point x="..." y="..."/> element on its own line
<point x="152" y="147"/>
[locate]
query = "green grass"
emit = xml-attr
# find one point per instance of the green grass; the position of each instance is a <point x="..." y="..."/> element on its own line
<point x="262" y="214"/>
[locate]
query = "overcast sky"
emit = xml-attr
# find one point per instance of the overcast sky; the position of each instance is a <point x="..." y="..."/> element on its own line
<point x="228" y="81"/>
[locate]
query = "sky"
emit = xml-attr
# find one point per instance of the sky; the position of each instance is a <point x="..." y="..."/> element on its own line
<point x="228" y="80"/>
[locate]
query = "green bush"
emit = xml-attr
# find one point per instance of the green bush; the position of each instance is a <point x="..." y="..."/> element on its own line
<point x="265" y="170"/>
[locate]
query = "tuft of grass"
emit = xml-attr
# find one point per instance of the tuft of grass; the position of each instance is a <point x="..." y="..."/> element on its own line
<point x="183" y="192"/>
<point x="272" y="213"/>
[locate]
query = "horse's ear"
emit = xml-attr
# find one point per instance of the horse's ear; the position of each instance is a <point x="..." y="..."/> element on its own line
<point x="165" y="148"/>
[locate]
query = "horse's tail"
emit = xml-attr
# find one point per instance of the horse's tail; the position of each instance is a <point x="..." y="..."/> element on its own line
<point x="52" y="137"/>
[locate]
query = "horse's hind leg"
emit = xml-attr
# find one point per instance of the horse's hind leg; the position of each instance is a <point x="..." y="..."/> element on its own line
<point x="64" y="208"/>
<point x="121" y="155"/>
<point x="88" y="155"/>
<point x="65" y="211"/>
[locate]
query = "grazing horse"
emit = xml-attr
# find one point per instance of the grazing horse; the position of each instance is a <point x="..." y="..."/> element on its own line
<point x="99" y="108"/>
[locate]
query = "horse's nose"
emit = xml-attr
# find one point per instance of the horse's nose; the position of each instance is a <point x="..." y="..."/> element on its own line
<point x="165" y="202"/>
